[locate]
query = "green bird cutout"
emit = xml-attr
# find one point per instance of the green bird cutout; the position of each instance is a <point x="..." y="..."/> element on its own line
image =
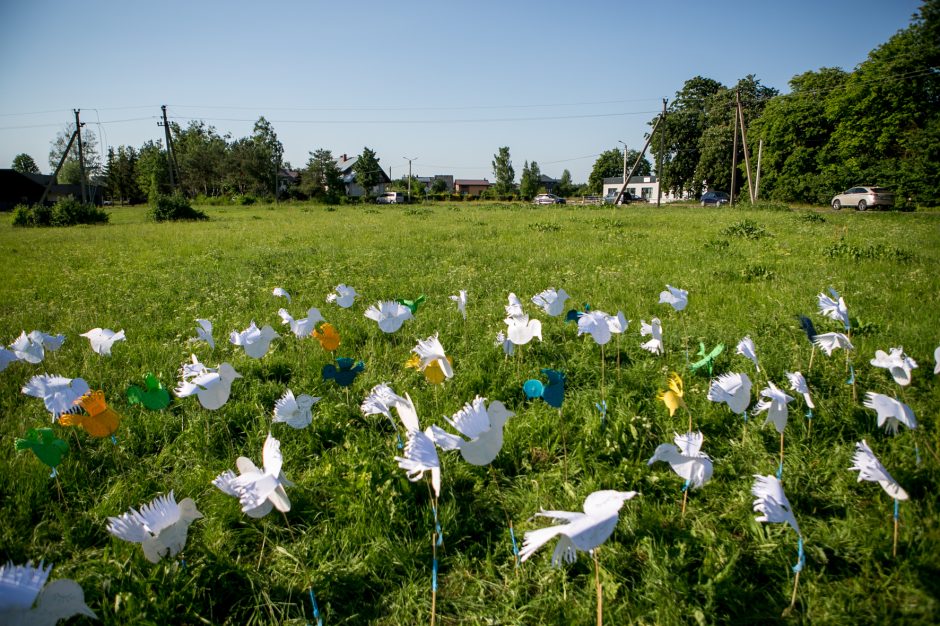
<point x="45" y="445"/>
<point x="413" y="304"/>
<point x="153" y="396"/>
<point x="707" y="360"/>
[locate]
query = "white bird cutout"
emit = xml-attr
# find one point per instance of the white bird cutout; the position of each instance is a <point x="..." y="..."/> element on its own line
<point x="461" y="300"/>
<point x="343" y="296"/>
<point x="280" y="292"/>
<point x="430" y="350"/>
<point x="798" y="384"/>
<point x="733" y="389"/>
<point x="420" y="453"/>
<point x="834" y="308"/>
<point x="936" y="358"/>
<point x="7" y="357"/>
<point x="551" y="301"/>
<point x="258" y="490"/>
<point x="579" y="531"/>
<point x="380" y="401"/>
<point x="295" y="412"/>
<point x="255" y="341"/>
<point x="501" y="340"/>
<point x="828" y="342"/>
<point x="674" y="297"/>
<point x="870" y="468"/>
<point x="302" y="327"/>
<point x="390" y="315"/>
<point x="775" y="402"/>
<point x="482" y="425"/>
<point x="617" y="323"/>
<point x="204" y="333"/>
<point x="897" y="363"/>
<point x="891" y="412"/>
<point x="595" y="323"/>
<point x="26" y="600"/>
<point x="32" y="347"/>
<point x="514" y="308"/>
<point x="57" y="392"/>
<point x="102" y="339"/>
<point x="772" y="502"/>
<point x="686" y="458"/>
<point x="160" y="527"/>
<point x="211" y="385"/>
<point x="747" y="350"/>
<point x="655" y="330"/>
<point x="520" y="330"/>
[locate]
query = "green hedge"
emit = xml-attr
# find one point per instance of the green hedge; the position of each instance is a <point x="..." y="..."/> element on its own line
<point x="65" y="212"/>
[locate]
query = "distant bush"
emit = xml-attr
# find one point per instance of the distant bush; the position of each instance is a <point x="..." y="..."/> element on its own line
<point x="65" y="212"/>
<point x="205" y="200"/>
<point x="244" y="199"/>
<point x="173" y="208"/>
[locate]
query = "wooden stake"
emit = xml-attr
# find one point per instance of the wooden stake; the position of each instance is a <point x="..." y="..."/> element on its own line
<point x="811" y="355"/>
<point x="781" y="457"/>
<point x="796" y="582"/>
<point x="685" y="498"/>
<point x="894" y="551"/>
<point x="600" y="595"/>
<point x="602" y="372"/>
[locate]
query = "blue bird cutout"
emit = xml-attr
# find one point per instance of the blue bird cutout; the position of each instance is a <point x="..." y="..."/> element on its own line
<point x="807" y="325"/>
<point x="344" y="372"/>
<point x="553" y="393"/>
<point x="574" y="314"/>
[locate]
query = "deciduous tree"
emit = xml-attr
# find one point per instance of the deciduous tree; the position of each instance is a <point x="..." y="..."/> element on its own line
<point x="368" y="171"/>
<point x="503" y="172"/>
<point x="24" y="164"/>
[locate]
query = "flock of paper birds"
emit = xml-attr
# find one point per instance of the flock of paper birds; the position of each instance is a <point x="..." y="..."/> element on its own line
<point x="161" y="526"/>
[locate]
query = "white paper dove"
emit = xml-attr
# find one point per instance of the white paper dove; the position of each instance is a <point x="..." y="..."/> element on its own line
<point x="343" y="296"/>
<point x="501" y="340"/>
<point x="775" y="402"/>
<point x="295" y="412"/>
<point x="420" y="453"/>
<point x="258" y="490"/>
<point x="7" y="357"/>
<point x="798" y="384"/>
<point x="102" y="339"/>
<point x="57" y="392"/>
<point x="578" y="531"/>
<point x="389" y="314"/>
<point x="303" y="327"/>
<point x="204" y="333"/>
<point x="461" y="300"/>
<point x="280" y="292"/>
<point x="160" y="527"/>
<point x="674" y="297"/>
<point x="746" y="349"/>
<point x="380" y="401"/>
<point x="686" y="458"/>
<point x="891" y="412"/>
<point x="655" y="330"/>
<point x="733" y="389"/>
<point x="551" y="301"/>
<point x="936" y="358"/>
<point x="26" y="600"/>
<point x="482" y="425"/>
<point x="430" y="350"/>
<point x="514" y="308"/>
<point x="834" y="308"/>
<point x="617" y="323"/>
<point x="772" y="502"/>
<point x="870" y="468"/>
<point x="520" y="330"/>
<point x="211" y="385"/>
<point x="255" y="341"/>
<point x="595" y="323"/>
<point x="828" y="342"/>
<point x="32" y="348"/>
<point x="897" y="363"/>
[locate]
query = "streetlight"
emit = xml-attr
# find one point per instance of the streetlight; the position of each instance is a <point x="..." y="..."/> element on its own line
<point x="624" y="189"/>
<point x="409" y="175"/>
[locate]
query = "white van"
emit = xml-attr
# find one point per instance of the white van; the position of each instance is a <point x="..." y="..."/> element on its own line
<point x="391" y="197"/>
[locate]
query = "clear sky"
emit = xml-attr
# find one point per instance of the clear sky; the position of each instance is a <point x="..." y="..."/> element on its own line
<point x="445" y="82"/>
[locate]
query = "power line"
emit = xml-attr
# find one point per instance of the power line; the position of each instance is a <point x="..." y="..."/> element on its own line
<point x="485" y="120"/>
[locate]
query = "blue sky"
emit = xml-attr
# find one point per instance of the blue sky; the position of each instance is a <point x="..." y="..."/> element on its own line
<point x="447" y="83"/>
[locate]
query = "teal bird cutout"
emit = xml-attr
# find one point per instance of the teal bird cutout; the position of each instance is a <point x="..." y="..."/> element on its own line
<point x="45" y="445"/>
<point x="344" y="372"/>
<point x="153" y="396"/>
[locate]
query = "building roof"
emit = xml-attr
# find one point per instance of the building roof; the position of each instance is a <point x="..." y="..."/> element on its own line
<point x="616" y="180"/>
<point x="476" y="182"/>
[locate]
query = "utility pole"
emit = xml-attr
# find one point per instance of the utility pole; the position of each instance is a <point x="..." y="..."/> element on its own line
<point x="734" y="155"/>
<point x="623" y="189"/>
<point x="169" y="148"/>
<point x="409" y="175"/>
<point x="81" y="156"/>
<point x="58" y="167"/>
<point x="624" y="161"/>
<point x="747" y="159"/>
<point x="659" y="164"/>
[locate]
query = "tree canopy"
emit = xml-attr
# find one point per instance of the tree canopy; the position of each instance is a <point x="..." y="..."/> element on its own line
<point x="368" y="171"/>
<point x="610" y="164"/>
<point x="24" y="164"/>
<point x="503" y="173"/>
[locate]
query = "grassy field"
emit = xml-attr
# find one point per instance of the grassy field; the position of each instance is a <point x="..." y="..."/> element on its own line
<point x="359" y="534"/>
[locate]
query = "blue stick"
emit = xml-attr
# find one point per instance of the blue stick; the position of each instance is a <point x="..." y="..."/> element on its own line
<point x="316" y="609"/>
<point x="515" y="548"/>
<point x="780" y="471"/>
<point x="801" y="558"/>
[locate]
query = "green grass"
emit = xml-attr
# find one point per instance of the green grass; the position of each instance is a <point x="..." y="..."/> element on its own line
<point x="359" y="533"/>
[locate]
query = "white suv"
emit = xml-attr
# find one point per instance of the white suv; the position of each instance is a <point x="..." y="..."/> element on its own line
<point x="864" y="197"/>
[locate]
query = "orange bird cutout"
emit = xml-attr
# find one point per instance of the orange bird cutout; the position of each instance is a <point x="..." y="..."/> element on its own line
<point x="327" y="336"/>
<point x="100" y="420"/>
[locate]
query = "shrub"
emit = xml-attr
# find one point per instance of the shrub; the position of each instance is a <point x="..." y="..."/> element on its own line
<point x="65" y="212"/>
<point x="173" y="208"/>
<point x="244" y="199"/>
<point x="746" y="229"/>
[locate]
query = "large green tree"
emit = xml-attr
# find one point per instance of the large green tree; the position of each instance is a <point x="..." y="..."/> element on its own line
<point x="610" y="164"/>
<point x="321" y="179"/>
<point x="530" y="180"/>
<point x="121" y="175"/>
<point x="24" y="164"/>
<point x="565" y="187"/>
<point x="201" y="156"/>
<point x="153" y="175"/>
<point x="368" y="171"/>
<point x="503" y="173"/>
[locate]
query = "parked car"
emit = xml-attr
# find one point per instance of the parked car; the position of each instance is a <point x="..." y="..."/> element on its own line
<point x="628" y="197"/>
<point x="548" y="198"/>
<point x="715" y="198"/>
<point x="864" y="197"/>
<point x="391" y="197"/>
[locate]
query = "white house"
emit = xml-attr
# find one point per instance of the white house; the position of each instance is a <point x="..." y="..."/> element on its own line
<point x="646" y="187"/>
<point x="345" y="166"/>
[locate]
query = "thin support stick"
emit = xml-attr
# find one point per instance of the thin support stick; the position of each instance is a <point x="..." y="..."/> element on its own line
<point x="618" y="358"/>
<point x="264" y="538"/>
<point x="796" y="582"/>
<point x="602" y="372"/>
<point x="434" y="579"/>
<point x="894" y="551"/>
<point x="781" y="453"/>
<point x="600" y="595"/>
<point x="564" y="444"/>
<point x="690" y="415"/>
<point x="811" y="355"/>
<point x="685" y="498"/>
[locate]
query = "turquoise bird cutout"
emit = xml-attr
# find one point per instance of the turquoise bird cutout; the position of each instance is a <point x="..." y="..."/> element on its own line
<point x="707" y="360"/>
<point x="45" y="445"/>
<point x="153" y="396"/>
<point x="344" y="372"/>
<point x="553" y="393"/>
<point x="413" y="304"/>
<point x="574" y="314"/>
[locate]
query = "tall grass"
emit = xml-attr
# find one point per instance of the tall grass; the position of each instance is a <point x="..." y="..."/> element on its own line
<point x="359" y="534"/>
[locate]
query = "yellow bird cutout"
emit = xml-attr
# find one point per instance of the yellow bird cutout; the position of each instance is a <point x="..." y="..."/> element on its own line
<point x="433" y="372"/>
<point x="327" y="336"/>
<point x="673" y="398"/>
<point x="100" y="421"/>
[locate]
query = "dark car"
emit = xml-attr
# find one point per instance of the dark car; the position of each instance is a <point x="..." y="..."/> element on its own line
<point x="715" y="198"/>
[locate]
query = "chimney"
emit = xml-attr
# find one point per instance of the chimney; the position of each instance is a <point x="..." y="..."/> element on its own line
<point x="344" y="157"/>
